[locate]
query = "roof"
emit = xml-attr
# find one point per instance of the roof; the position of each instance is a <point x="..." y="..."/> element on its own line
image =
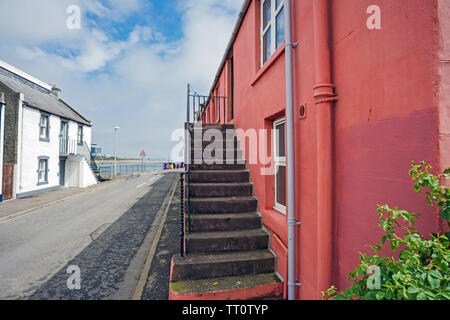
<point x="40" y="98"/>
<point x="236" y="29"/>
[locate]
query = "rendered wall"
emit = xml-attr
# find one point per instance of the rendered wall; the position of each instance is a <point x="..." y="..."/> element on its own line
<point x="389" y="113"/>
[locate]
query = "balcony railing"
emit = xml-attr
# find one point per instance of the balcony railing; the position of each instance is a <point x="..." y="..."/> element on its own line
<point x="72" y="147"/>
<point x="67" y="146"/>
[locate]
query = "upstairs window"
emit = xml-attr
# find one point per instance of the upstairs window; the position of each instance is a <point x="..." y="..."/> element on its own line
<point x="44" y="128"/>
<point x="272" y="27"/>
<point x="80" y="135"/>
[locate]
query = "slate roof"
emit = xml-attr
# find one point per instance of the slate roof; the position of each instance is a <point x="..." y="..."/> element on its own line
<point x="40" y="98"/>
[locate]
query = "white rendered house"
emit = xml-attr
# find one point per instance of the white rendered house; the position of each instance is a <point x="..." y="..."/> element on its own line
<point x="47" y="143"/>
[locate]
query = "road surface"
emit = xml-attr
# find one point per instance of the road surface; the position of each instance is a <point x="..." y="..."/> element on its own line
<point x="106" y="234"/>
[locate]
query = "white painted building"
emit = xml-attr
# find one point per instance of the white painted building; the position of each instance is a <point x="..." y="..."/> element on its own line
<point x="52" y="149"/>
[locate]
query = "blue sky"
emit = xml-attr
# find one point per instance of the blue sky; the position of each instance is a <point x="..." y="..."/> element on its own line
<point x="127" y="66"/>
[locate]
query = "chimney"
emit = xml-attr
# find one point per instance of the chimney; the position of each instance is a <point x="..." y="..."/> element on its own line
<point x="56" y="91"/>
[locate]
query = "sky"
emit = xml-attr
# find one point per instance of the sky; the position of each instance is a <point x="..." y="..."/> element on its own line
<point x="127" y="65"/>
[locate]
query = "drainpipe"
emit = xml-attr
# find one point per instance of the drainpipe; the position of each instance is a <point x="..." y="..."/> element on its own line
<point x="292" y="221"/>
<point x="324" y="97"/>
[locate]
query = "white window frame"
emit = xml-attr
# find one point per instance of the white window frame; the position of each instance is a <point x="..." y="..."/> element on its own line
<point x="44" y="171"/>
<point x="278" y="162"/>
<point x="272" y="23"/>
<point x="45" y="127"/>
<point x="80" y="134"/>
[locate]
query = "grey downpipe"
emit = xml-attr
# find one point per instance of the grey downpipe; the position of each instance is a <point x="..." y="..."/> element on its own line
<point x="292" y="222"/>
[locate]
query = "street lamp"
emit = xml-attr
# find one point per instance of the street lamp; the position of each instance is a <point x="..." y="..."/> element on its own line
<point x="115" y="145"/>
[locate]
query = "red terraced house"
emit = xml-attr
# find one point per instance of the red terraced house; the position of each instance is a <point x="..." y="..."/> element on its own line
<point x="360" y="91"/>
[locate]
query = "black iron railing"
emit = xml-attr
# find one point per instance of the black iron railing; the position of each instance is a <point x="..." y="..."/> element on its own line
<point x="182" y="214"/>
<point x="200" y="109"/>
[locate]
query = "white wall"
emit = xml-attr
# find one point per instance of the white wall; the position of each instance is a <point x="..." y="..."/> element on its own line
<point x="32" y="148"/>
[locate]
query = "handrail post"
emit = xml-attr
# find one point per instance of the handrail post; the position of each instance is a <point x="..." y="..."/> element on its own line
<point x="182" y="214"/>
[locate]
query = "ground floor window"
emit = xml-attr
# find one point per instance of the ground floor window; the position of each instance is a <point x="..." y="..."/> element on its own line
<point x="42" y="170"/>
<point x="279" y="143"/>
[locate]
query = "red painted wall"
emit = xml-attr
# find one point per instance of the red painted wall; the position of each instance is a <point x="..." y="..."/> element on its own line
<point x="389" y="112"/>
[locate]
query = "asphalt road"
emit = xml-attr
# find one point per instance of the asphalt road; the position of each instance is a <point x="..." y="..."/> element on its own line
<point x="106" y="234"/>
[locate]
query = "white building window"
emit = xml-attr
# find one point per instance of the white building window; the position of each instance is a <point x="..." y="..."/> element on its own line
<point x="279" y="138"/>
<point x="272" y="27"/>
<point x="80" y="135"/>
<point x="44" y="128"/>
<point x="42" y="170"/>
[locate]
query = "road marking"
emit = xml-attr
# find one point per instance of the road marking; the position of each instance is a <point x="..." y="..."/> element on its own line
<point x="143" y="184"/>
<point x="144" y="275"/>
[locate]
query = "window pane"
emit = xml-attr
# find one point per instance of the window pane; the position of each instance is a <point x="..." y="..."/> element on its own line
<point x="280" y="27"/>
<point x="281" y="140"/>
<point x="279" y="2"/>
<point x="43" y="127"/>
<point x="267" y="12"/>
<point x="281" y="185"/>
<point x="267" y="46"/>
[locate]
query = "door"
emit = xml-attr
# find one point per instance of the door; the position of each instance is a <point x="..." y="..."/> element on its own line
<point x="62" y="172"/>
<point x="8" y="181"/>
<point x="64" y="137"/>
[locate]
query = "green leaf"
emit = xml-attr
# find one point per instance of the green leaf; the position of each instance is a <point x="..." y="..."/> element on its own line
<point x="413" y="290"/>
<point x="380" y="295"/>
<point x="421" y="296"/>
<point x="436" y="274"/>
<point x="435" y="283"/>
<point x="447" y="235"/>
<point x="445" y="213"/>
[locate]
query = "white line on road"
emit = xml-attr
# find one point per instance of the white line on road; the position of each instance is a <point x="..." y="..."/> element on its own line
<point x="143" y="184"/>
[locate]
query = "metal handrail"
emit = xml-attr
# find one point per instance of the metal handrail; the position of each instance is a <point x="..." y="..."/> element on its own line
<point x="196" y="107"/>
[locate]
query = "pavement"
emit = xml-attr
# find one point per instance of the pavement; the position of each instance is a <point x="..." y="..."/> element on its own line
<point x="158" y="277"/>
<point x="107" y="233"/>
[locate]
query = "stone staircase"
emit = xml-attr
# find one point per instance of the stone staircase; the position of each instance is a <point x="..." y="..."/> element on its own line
<point x="227" y="249"/>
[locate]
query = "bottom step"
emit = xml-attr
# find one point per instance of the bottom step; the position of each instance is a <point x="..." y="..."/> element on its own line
<point x="229" y="288"/>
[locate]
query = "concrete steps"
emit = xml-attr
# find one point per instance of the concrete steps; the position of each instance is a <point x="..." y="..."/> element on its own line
<point x="223" y="205"/>
<point x="200" y="265"/>
<point x="223" y="143"/>
<point x="205" y="190"/>
<point x="227" y="251"/>
<point x="248" y="287"/>
<point x="220" y="241"/>
<point x="219" y="176"/>
<point x="225" y="222"/>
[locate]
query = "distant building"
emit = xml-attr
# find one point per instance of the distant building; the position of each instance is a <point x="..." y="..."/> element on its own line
<point x="96" y="151"/>
<point x="45" y="140"/>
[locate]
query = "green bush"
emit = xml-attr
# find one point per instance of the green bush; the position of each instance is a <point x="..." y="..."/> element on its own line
<point x="421" y="271"/>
